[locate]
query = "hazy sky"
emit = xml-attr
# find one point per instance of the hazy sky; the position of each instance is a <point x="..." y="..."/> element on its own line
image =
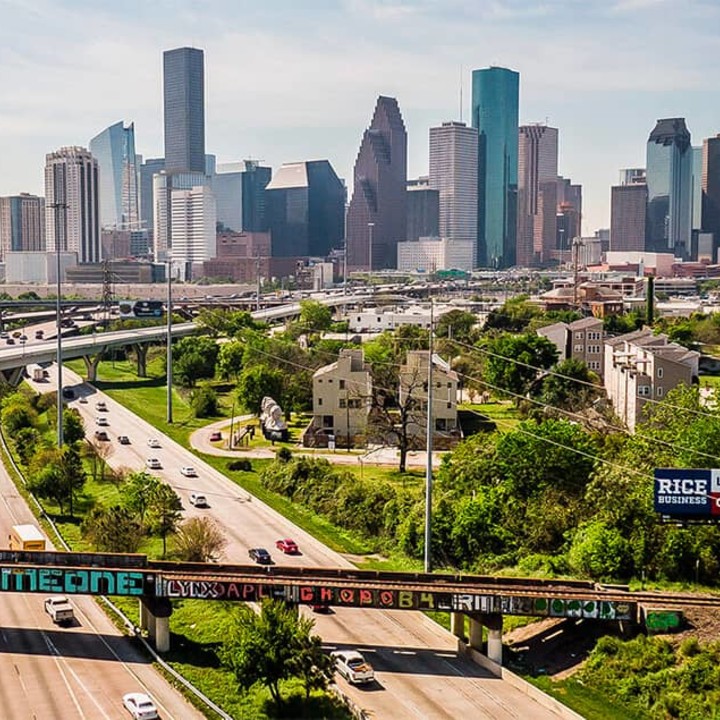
<point x="290" y="80"/>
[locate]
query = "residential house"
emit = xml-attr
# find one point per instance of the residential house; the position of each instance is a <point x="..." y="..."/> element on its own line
<point x="581" y="340"/>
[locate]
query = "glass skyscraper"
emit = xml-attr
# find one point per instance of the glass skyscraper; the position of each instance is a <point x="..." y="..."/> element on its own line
<point x="114" y="150"/>
<point x="184" y="105"/>
<point x="495" y="99"/>
<point x="669" y="184"/>
<point x="239" y="189"/>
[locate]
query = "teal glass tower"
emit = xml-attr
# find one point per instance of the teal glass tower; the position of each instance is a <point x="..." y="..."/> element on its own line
<point x="495" y="100"/>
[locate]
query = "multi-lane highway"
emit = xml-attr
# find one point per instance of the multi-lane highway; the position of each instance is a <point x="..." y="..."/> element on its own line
<point x="81" y="671"/>
<point x="419" y="673"/>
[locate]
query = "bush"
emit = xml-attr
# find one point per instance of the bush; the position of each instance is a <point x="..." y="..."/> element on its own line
<point x="243" y="465"/>
<point x="204" y="402"/>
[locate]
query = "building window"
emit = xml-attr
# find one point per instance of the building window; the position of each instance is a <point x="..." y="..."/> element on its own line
<point x="660" y="372"/>
<point x="328" y="421"/>
<point x="354" y="403"/>
<point x="449" y="385"/>
<point x="341" y="384"/>
<point x="342" y="403"/>
<point x="449" y="406"/>
<point x="579" y="348"/>
<point x="578" y="336"/>
<point x="320" y="381"/>
<point x="659" y="392"/>
<point x="319" y="401"/>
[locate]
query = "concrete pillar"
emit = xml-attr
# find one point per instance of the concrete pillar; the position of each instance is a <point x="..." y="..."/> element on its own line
<point x="162" y="634"/>
<point x="476" y="634"/>
<point x="13" y="376"/>
<point x="457" y="624"/>
<point x="91" y="365"/>
<point x="144" y="612"/>
<point x="141" y="351"/>
<point x="493" y="622"/>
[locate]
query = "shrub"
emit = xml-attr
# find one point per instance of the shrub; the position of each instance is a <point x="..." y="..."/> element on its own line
<point x="243" y="465"/>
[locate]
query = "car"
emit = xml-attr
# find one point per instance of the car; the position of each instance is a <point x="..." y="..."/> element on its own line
<point x="101" y="406"/>
<point x="215" y="436"/>
<point x="320" y="608"/>
<point x="4" y="335"/>
<point x="17" y="334"/>
<point x="68" y="393"/>
<point x="39" y="334"/>
<point x="123" y="439"/>
<point x="288" y="546"/>
<point x="83" y="400"/>
<point x="101" y="435"/>
<point x="153" y="464"/>
<point x="188" y="471"/>
<point x="140" y="706"/>
<point x="102" y="421"/>
<point x="23" y="338"/>
<point x="198" y="499"/>
<point x="153" y="443"/>
<point x="10" y="341"/>
<point x="260" y="556"/>
<point x="353" y="667"/>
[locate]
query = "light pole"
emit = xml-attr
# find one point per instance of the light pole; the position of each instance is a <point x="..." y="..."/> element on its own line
<point x="429" y="443"/>
<point x="371" y="225"/>
<point x="169" y="340"/>
<point x="57" y="206"/>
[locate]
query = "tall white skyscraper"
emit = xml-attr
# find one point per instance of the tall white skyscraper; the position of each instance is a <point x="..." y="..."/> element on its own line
<point x="193" y="221"/>
<point x="72" y="203"/>
<point x="454" y="174"/>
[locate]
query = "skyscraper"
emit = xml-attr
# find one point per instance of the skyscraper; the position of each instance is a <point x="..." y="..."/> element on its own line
<point x="537" y="195"/>
<point x="377" y="215"/>
<point x="22" y="223"/>
<point x="239" y="189"/>
<point x="423" y="209"/>
<point x="628" y="207"/>
<point x="669" y="183"/>
<point x="454" y="173"/>
<point x="305" y="209"/>
<point x="495" y="99"/>
<point x="114" y="150"/>
<point x="72" y="203"/>
<point x="184" y="109"/>
<point x="148" y="169"/>
<point x="193" y="226"/>
<point x="711" y="187"/>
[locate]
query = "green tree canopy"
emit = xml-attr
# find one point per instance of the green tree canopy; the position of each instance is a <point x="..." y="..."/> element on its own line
<point x="164" y="512"/>
<point x="230" y="359"/>
<point x="112" y="529"/>
<point x="314" y="316"/>
<point x="257" y="382"/>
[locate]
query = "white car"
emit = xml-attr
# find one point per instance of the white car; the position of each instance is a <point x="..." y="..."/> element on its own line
<point x="198" y="499"/>
<point x="101" y="406"/>
<point x="140" y="706"/>
<point x="153" y="464"/>
<point x="188" y="471"/>
<point x="353" y="667"/>
<point x="153" y="443"/>
<point x="102" y="420"/>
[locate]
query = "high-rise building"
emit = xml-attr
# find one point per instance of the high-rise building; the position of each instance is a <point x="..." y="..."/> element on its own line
<point x="569" y="208"/>
<point x="240" y="194"/>
<point x="711" y="187"/>
<point x="184" y="109"/>
<point x="537" y="195"/>
<point x="72" y="208"/>
<point x="22" y="224"/>
<point x="631" y="176"/>
<point x="669" y="183"/>
<point x="495" y="100"/>
<point x="454" y="174"/>
<point x="193" y="228"/>
<point x="377" y="215"/>
<point x="148" y="168"/>
<point x="423" y="209"/>
<point x="305" y="209"/>
<point x="628" y="208"/>
<point x="114" y="150"/>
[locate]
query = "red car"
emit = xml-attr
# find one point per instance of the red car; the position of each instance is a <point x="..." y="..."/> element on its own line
<point x="215" y="436"/>
<point x="289" y="547"/>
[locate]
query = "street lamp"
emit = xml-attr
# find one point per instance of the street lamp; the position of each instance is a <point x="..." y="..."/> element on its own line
<point x="169" y="339"/>
<point x="429" y="449"/>
<point x="371" y="225"/>
<point x="57" y="206"/>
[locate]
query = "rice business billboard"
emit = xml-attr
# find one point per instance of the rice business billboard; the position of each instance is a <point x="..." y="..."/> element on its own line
<point x="687" y="493"/>
<point x="141" y="308"/>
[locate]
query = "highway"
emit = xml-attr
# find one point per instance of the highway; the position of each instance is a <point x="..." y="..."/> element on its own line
<point x="419" y="674"/>
<point x="80" y="671"/>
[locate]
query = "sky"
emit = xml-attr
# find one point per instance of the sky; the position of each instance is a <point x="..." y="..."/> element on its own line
<point x="291" y="80"/>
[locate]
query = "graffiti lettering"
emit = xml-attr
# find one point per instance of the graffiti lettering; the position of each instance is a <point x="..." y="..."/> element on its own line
<point x="75" y="582"/>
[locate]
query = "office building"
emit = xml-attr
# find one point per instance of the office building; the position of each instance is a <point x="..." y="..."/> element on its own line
<point x="148" y="169"/>
<point x="22" y="224"/>
<point x="193" y="229"/>
<point x="377" y="215"/>
<point x="495" y="99"/>
<point x="72" y="206"/>
<point x="632" y="176"/>
<point x="454" y="173"/>
<point x="239" y="189"/>
<point x="569" y="210"/>
<point x="628" y="208"/>
<point x="669" y="182"/>
<point x="711" y="187"/>
<point x="537" y="195"/>
<point x="423" y="209"/>
<point x="305" y="209"/>
<point x="114" y="150"/>
<point x="184" y="110"/>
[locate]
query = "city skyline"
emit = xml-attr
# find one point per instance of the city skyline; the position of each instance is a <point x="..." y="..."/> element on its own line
<point x="308" y="99"/>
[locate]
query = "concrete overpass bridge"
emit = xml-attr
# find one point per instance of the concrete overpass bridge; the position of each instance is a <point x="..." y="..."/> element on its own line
<point x="14" y="358"/>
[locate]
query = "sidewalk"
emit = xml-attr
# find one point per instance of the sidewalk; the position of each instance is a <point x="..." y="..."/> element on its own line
<point x="200" y="441"/>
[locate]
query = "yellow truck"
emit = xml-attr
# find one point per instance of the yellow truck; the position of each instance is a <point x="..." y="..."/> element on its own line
<point x="26" y="537"/>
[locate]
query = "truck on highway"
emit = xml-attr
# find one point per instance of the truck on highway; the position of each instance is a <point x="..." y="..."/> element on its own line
<point x="58" y="607"/>
<point x="38" y="375"/>
<point x="26" y="537"/>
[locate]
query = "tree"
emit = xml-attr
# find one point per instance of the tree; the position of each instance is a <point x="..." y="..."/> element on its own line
<point x="514" y="316"/>
<point x="569" y="386"/>
<point x="311" y="663"/>
<point x="457" y="325"/>
<point x="230" y="359"/>
<point x="27" y="442"/>
<point x="164" y="512"/>
<point x="194" y="359"/>
<point x="314" y="316"/>
<point x="112" y="529"/>
<point x="199" y="539"/>
<point x="138" y="491"/>
<point x="204" y="402"/>
<point x="57" y="475"/>
<point x="188" y="368"/>
<point x="18" y="412"/>
<point x="97" y="452"/>
<point x="257" y="382"/>
<point x="73" y="426"/>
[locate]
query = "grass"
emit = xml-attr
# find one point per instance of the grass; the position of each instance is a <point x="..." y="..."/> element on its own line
<point x="503" y="413"/>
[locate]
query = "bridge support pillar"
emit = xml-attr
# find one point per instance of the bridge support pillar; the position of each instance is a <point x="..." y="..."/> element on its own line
<point x="457" y="624"/>
<point x="91" y="365"/>
<point x="13" y="376"/>
<point x="141" y="351"/>
<point x="162" y="634"/>
<point x="155" y="613"/>
<point x="493" y="622"/>
<point x="144" y="616"/>
<point x="476" y="634"/>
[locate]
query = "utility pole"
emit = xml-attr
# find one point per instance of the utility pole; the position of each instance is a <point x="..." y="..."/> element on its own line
<point x="429" y="443"/>
<point x="576" y="243"/>
<point x="57" y="206"/>
<point x="169" y="370"/>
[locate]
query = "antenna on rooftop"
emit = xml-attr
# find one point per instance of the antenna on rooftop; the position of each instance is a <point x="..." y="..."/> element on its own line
<point x="461" y="93"/>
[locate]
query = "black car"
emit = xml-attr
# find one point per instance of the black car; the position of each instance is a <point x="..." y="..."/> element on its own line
<point x="101" y="435"/>
<point x="123" y="439"/>
<point x="260" y="555"/>
<point x="68" y="393"/>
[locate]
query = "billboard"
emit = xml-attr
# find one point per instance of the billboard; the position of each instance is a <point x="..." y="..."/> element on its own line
<point x="140" y="308"/>
<point x="687" y="493"/>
